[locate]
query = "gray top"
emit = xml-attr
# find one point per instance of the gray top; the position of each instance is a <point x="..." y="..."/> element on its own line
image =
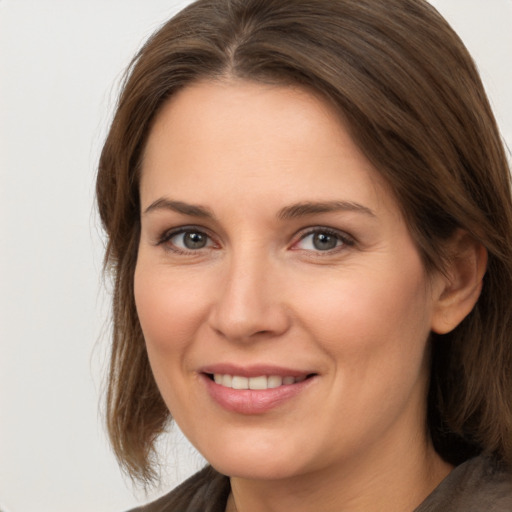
<point x="478" y="485"/>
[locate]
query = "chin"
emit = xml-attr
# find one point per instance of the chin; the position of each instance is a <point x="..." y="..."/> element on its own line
<point x="257" y="461"/>
<point x="268" y="469"/>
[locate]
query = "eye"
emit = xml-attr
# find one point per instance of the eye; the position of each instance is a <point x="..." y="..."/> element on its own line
<point x="186" y="240"/>
<point x="323" y="240"/>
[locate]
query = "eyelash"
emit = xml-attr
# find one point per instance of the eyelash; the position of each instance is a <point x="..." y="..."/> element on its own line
<point x="343" y="239"/>
<point x="169" y="235"/>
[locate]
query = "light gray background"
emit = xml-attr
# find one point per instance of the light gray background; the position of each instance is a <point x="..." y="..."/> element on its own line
<point x="60" y="65"/>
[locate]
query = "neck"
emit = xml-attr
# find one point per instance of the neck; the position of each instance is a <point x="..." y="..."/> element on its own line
<point x="397" y="481"/>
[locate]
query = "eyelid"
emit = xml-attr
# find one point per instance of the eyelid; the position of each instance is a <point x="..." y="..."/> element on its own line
<point x="168" y="234"/>
<point x="345" y="239"/>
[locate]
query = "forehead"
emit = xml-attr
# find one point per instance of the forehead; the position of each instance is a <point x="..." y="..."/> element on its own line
<point x="214" y="111"/>
<point x="278" y="143"/>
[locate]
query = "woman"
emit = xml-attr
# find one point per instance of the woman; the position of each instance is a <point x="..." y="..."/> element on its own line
<point x="309" y="225"/>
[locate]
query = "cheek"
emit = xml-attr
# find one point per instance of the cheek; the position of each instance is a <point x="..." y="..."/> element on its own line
<point x="372" y="314"/>
<point x="374" y="331"/>
<point x="170" y="309"/>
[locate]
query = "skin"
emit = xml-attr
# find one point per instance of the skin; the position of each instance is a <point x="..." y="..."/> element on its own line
<point x="358" y="315"/>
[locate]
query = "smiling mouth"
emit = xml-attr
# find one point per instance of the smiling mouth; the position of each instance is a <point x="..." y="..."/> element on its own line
<point x="261" y="382"/>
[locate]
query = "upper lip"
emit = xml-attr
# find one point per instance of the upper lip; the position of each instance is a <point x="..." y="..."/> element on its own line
<point x="256" y="370"/>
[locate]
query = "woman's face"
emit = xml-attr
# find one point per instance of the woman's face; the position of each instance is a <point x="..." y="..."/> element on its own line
<point x="273" y="257"/>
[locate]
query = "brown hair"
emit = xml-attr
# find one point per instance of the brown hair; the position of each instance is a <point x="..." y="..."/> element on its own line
<point x="413" y="100"/>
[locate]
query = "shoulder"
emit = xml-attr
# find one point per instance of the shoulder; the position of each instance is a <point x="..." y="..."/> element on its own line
<point x="479" y="485"/>
<point x="207" y="491"/>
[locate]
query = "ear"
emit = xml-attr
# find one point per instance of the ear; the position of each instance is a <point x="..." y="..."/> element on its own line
<point x="457" y="290"/>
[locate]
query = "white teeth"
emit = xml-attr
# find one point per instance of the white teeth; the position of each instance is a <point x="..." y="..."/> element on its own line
<point x="227" y="380"/>
<point x="240" y="382"/>
<point x="257" y="383"/>
<point x="274" y="381"/>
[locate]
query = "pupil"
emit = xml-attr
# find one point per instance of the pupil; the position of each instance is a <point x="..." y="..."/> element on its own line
<point x="324" y="242"/>
<point x="194" y="240"/>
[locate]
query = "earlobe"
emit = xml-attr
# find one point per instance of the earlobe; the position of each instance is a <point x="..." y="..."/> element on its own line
<point x="461" y="284"/>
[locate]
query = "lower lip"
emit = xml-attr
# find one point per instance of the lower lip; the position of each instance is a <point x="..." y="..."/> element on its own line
<point x="249" y="401"/>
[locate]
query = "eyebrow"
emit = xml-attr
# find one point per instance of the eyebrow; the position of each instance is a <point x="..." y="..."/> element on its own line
<point x="180" y="207"/>
<point x="293" y="211"/>
<point x="311" y="208"/>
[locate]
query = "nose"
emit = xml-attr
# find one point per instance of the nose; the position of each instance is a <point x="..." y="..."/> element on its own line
<point x="249" y="304"/>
